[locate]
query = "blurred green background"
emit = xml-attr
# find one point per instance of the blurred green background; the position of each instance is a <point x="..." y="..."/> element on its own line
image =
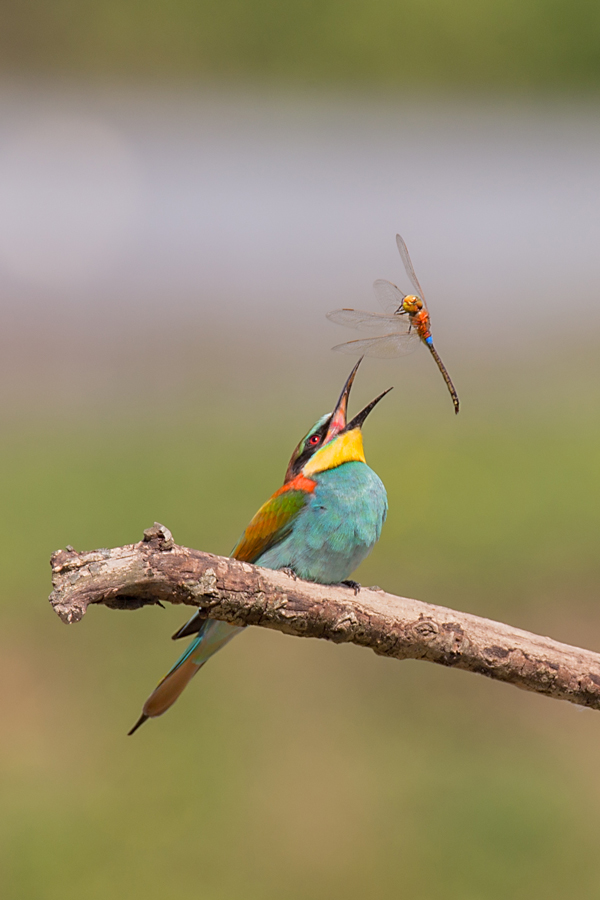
<point x="534" y="44"/>
<point x="186" y="190"/>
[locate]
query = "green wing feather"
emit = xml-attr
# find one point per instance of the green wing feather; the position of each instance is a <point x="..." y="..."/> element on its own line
<point x="272" y="522"/>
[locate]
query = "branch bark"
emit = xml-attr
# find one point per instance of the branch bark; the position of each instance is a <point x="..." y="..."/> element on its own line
<point x="156" y="569"/>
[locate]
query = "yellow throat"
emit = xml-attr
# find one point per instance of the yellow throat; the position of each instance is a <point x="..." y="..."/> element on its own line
<point x="347" y="447"/>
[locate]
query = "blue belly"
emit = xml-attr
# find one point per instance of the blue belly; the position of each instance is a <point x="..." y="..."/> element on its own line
<point x="337" y="528"/>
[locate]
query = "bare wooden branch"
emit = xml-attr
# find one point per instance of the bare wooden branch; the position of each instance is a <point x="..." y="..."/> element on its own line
<point x="156" y="569"/>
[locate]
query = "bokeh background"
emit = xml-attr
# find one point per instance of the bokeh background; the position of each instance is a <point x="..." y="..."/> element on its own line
<point x="185" y="190"/>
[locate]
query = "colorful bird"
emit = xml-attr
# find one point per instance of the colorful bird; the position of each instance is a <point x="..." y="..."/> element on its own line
<point x="406" y="322"/>
<point x="323" y="521"/>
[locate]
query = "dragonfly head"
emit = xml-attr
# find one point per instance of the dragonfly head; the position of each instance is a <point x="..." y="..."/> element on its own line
<point x="412" y="304"/>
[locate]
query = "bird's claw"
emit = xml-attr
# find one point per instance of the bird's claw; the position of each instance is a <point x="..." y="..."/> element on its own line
<point x="347" y="582"/>
<point x="289" y="572"/>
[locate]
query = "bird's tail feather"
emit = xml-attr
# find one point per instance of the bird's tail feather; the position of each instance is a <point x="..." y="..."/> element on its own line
<point x="213" y="635"/>
<point x="169" y="689"/>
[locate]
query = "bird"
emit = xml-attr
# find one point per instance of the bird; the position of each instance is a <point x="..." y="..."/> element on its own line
<point x="318" y="526"/>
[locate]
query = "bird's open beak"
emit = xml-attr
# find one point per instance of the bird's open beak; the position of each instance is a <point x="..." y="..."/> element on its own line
<point x="337" y="421"/>
<point x="357" y="421"/>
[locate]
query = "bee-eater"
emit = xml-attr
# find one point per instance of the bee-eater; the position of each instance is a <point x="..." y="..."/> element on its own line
<point x="319" y="526"/>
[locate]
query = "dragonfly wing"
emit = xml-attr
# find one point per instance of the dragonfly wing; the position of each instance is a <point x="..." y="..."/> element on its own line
<point x="403" y="249"/>
<point x="390" y="297"/>
<point x="356" y="318"/>
<point x="384" y="347"/>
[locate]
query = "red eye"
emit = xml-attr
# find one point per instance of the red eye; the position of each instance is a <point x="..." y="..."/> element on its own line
<point x="314" y="439"/>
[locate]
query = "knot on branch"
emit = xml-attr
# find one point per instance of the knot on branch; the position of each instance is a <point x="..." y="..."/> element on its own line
<point x="160" y="536"/>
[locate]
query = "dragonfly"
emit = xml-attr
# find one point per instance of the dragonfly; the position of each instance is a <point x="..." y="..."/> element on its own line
<point x="405" y="323"/>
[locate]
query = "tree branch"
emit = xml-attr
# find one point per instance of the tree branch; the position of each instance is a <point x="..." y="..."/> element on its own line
<point x="157" y="569"/>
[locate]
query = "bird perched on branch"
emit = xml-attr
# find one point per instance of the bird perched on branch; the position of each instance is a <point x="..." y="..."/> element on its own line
<point x="319" y="526"/>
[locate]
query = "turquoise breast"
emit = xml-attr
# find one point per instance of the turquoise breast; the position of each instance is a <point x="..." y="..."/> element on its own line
<point x="337" y="528"/>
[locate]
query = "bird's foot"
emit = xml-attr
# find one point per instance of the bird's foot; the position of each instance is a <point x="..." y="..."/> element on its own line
<point x="289" y="572"/>
<point x="347" y="582"/>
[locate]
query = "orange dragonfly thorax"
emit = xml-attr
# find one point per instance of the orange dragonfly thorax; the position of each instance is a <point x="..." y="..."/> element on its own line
<point x="419" y="317"/>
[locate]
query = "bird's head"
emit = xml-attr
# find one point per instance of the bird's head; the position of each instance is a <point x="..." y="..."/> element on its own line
<point x="332" y="441"/>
